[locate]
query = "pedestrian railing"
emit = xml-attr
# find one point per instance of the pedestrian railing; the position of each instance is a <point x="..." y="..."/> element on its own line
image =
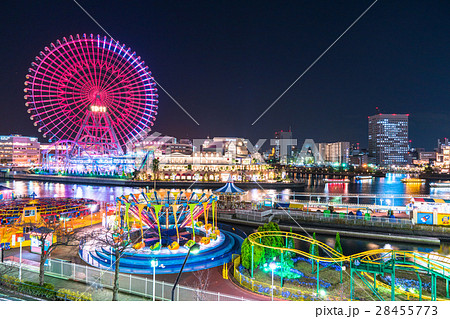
<point x="265" y="288"/>
<point x="137" y="285"/>
<point x="253" y="215"/>
<point x="332" y="216"/>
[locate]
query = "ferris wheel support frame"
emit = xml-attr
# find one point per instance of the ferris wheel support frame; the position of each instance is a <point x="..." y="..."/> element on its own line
<point x="97" y="135"/>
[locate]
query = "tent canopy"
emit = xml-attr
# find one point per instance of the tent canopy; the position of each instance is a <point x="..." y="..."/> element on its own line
<point x="229" y="189"/>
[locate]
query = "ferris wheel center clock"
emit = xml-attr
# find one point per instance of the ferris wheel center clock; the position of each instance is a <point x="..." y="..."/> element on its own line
<point x="92" y="91"/>
<point x="98" y="109"/>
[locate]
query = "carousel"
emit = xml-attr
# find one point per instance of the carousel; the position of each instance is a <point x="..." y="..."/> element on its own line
<point x="230" y="196"/>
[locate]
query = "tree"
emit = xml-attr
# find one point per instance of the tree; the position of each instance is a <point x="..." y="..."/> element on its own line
<point x="272" y="241"/>
<point x="118" y="241"/>
<point x="50" y="234"/>
<point x="290" y="244"/>
<point x="337" y="244"/>
<point x="155" y="169"/>
<point x="246" y="255"/>
<point x="201" y="284"/>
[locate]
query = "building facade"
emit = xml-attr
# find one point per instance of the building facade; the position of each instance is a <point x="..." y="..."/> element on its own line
<point x="443" y="159"/>
<point x="17" y="150"/>
<point x="388" y="139"/>
<point x="337" y="152"/>
<point x="284" y="146"/>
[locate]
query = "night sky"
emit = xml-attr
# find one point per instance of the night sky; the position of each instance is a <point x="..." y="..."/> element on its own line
<point x="227" y="61"/>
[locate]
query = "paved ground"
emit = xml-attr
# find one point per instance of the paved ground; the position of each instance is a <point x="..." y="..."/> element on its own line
<point x="6" y="295"/>
<point x="210" y="279"/>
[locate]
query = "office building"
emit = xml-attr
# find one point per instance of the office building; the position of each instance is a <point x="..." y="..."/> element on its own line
<point x="388" y="139"/>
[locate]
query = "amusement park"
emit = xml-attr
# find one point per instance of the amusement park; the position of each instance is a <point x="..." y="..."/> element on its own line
<point x="112" y="210"/>
<point x="92" y="97"/>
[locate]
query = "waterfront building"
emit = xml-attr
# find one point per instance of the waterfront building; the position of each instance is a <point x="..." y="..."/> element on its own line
<point x="443" y="142"/>
<point x="152" y="142"/>
<point x="17" y="150"/>
<point x="337" y="152"/>
<point x="183" y="147"/>
<point x="425" y="158"/>
<point x="214" y="159"/>
<point x="233" y="149"/>
<point x="388" y="139"/>
<point x="443" y="159"/>
<point x="358" y="157"/>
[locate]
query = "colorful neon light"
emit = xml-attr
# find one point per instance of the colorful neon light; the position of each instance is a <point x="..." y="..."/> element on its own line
<point x="90" y="74"/>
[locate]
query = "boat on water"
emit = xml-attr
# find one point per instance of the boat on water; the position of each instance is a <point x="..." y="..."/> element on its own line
<point x="336" y="180"/>
<point x="413" y="180"/>
<point x="361" y="177"/>
<point x="440" y="184"/>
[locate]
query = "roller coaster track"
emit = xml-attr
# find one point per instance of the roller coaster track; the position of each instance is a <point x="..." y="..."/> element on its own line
<point x="376" y="261"/>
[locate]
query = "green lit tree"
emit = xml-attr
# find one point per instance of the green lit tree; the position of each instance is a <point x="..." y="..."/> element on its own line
<point x="337" y="244"/>
<point x="246" y="255"/>
<point x="272" y="241"/>
<point x="290" y="244"/>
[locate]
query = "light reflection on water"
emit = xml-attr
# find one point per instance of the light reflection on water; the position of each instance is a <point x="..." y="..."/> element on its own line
<point x="391" y="184"/>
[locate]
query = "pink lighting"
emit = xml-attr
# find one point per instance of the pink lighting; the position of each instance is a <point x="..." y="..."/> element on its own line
<point x="91" y="90"/>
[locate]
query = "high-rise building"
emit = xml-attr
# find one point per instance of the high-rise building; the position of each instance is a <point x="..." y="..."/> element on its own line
<point x="388" y="139"/>
<point x="284" y="146"/>
<point x="337" y="152"/>
<point x="19" y="150"/>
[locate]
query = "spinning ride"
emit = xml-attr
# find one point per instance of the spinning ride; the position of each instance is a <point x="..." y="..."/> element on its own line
<point x="166" y="216"/>
<point x="230" y="196"/>
<point x="17" y="216"/>
<point x="90" y="96"/>
<point x="163" y="225"/>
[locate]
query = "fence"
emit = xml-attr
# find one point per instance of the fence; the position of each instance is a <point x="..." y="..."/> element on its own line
<point x="278" y="292"/>
<point x="141" y="286"/>
<point x="252" y="215"/>
<point x="342" y="216"/>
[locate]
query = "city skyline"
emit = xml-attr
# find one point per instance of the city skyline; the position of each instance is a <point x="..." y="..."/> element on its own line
<point x="258" y="50"/>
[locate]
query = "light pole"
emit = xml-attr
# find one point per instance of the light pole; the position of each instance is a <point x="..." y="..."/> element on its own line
<point x="154" y="264"/>
<point x="20" y="240"/>
<point x="272" y="266"/>
<point x="195" y="249"/>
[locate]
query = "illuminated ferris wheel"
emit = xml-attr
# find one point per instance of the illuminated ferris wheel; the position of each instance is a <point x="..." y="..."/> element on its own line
<point x="91" y="91"/>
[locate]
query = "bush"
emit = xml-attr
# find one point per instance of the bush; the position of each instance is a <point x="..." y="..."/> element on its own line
<point x="47" y="291"/>
<point x="34" y="289"/>
<point x="66" y="294"/>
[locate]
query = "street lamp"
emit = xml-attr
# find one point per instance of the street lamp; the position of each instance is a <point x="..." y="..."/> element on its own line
<point x="272" y="266"/>
<point x="195" y="249"/>
<point x="154" y="264"/>
<point x="20" y="240"/>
